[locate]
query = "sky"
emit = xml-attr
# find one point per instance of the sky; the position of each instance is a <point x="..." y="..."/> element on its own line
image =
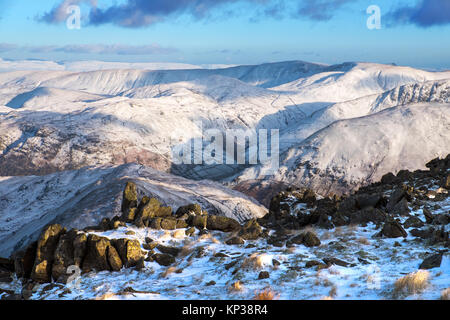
<point x="412" y="32"/>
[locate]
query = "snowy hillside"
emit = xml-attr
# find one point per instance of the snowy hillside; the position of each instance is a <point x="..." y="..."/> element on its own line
<point x="61" y="120"/>
<point x="84" y="197"/>
<point x="353" y="152"/>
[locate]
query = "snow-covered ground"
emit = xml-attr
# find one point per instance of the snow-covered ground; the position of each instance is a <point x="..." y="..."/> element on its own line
<point x="204" y="268"/>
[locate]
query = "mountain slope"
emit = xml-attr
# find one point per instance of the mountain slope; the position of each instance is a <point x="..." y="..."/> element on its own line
<point x="354" y="152"/>
<point x="84" y="197"/>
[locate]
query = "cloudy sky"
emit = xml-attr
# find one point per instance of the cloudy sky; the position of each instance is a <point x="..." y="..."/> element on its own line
<point x="413" y="32"/>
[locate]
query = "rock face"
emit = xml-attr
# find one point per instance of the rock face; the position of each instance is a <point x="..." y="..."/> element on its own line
<point x="46" y="246"/>
<point x="96" y="254"/>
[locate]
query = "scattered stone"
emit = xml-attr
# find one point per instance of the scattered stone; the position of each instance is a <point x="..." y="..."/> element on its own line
<point x="221" y="223"/>
<point x="164" y="259"/>
<point x="413" y="222"/>
<point x="393" y="229"/>
<point x="401" y="208"/>
<point x="169" y="250"/>
<point x="235" y="241"/>
<point x="251" y="230"/>
<point x="263" y="275"/>
<point x="276" y="263"/>
<point x="337" y="262"/>
<point x="308" y="239"/>
<point x="433" y="261"/>
<point x="428" y="215"/>
<point x="312" y="263"/>
<point x="190" y="232"/>
<point x="211" y="283"/>
<point x="389" y="178"/>
<point x="221" y="255"/>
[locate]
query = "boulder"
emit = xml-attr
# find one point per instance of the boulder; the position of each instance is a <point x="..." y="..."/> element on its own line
<point x="221" y="223"/>
<point x="164" y="259"/>
<point x="397" y="195"/>
<point x="64" y="256"/>
<point x="369" y="200"/>
<point x="173" y="251"/>
<point x="369" y="214"/>
<point x="433" y="261"/>
<point x="196" y="209"/>
<point x="389" y="178"/>
<point x="79" y="248"/>
<point x="413" y="222"/>
<point x="96" y="254"/>
<point x="129" y="251"/>
<point x="335" y="261"/>
<point x="251" y="230"/>
<point x="114" y="259"/>
<point x="428" y="215"/>
<point x="129" y="199"/>
<point x="447" y="182"/>
<point x="24" y="261"/>
<point x="393" y="229"/>
<point x="401" y="208"/>
<point x="263" y="275"/>
<point x="147" y="211"/>
<point x="200" y="222"/>
<point x="308" y="239"/>
<point x="46" y="246"/>
<point x="235" y="241"/>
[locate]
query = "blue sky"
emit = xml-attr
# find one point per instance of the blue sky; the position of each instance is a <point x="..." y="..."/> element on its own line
<point x="415" y="33"/>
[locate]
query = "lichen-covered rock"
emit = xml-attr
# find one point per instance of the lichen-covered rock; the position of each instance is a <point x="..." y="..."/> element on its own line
<point x="129" y="198"/>
<point x="46" y="246"/>
<point x="96" y="254"/>
<point x="220" y="223"/>
<point x="114" y="259"/>
<point x="200" y="222"/>
<point x="129" y="251"/>
<point x="79" y="248"/>
<point x="191" y="208"/>
<point x="308" y="239"/>
<point x="251" y="230"/>
<point x="164" y="259"/>
<point x="147" y="211"/>
<point x="64" y="255"/>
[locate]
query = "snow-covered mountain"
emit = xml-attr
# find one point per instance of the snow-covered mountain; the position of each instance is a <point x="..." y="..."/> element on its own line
<point x="61" y="120"/>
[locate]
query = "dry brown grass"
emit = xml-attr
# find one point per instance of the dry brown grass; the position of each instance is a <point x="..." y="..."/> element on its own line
<point x="265" y="294"/>
<point x="168" y="272"/>
<point x="236" y="286"/>
<point x="255" y="261"/>
<point x="333" y="292"/>
<point x="326" y="298"/>
<point x="209" y="237"/>
<point x="364" y="241"/>
<point x="445" y="294"/>
<point x="412" y="283"/>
